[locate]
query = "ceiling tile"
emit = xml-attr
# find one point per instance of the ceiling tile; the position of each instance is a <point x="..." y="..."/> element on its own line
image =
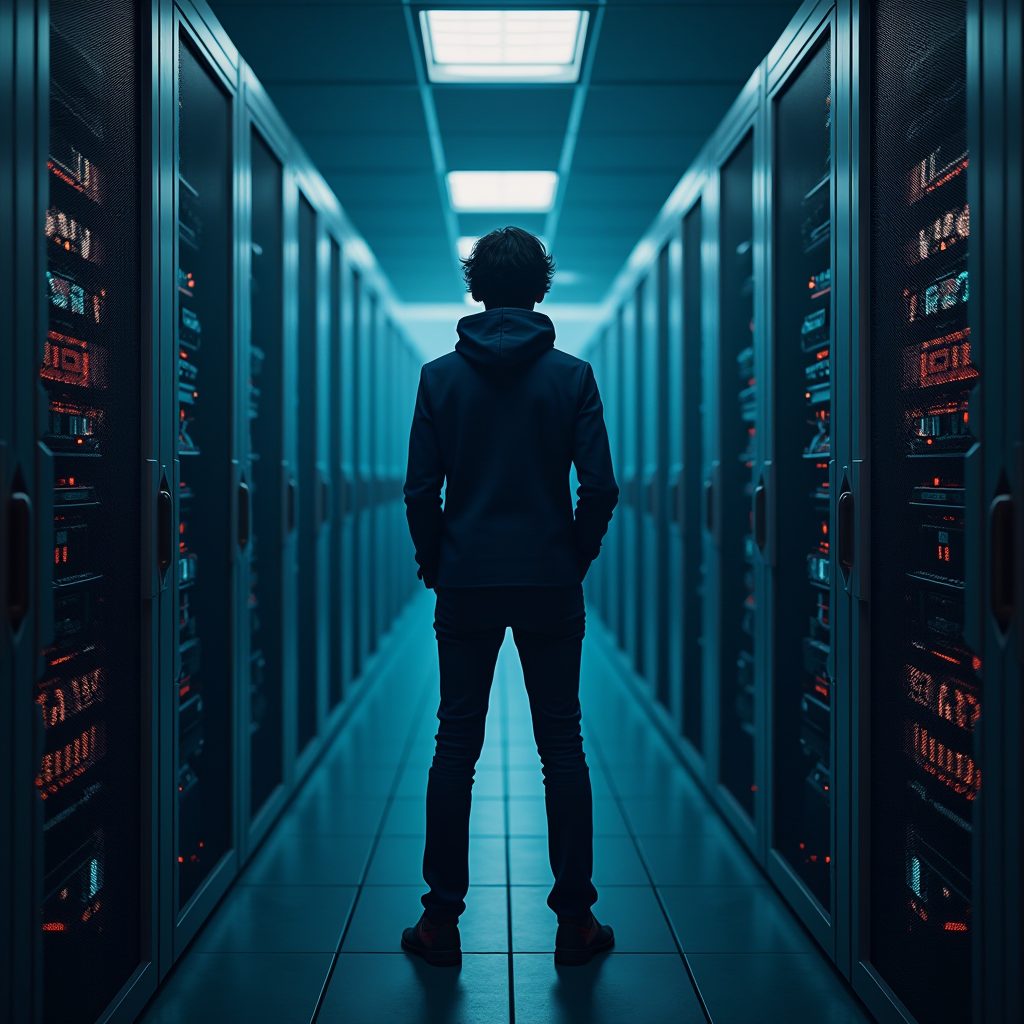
<point x="350" y="110"/>
<point x="500" y="111"/>
<point x="705" y="43"/>
<point x="336" y="43"/>
<point x="467" y="152"/>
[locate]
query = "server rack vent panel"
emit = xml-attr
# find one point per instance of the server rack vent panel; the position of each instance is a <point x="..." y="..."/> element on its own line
<point x="926" y="688"/>
<point x="689" y="500"/>
<point x="802" y="745"/>
<point x="308" y="524"/>
<point x="204" y="356"/>
<point x="90" y="692"/>
<point x="264" y="477"/>
<point x="737" y="418"/>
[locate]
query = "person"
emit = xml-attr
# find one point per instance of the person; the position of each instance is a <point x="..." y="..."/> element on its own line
<point x="497" y="424"/>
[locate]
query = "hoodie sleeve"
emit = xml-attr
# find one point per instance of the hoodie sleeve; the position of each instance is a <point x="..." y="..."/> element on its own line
<point x="423" y="482"/>
<point x="597" y="492"/>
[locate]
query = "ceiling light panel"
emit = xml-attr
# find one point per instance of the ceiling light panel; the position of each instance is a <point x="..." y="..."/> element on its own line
<point x="502" y="191"/>
<point x="503" y="46"/>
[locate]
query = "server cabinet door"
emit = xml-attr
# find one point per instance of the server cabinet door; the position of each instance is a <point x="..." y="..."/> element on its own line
<point x="349" y="448"/>
<point x="922" y="684"/>
<point x="306" y="465"/>
<point x="367" y="538"/>
<point x="95" y="625"/>
<point x="11" y="621"/>
<point x="381" y="388"/>
<point x="336" y="561"/>
<point x="628" y="521"/>
<point x="653" y="311"/>
<point x="800" y="830"/>
<point x="732" y="485"/>
<point x="206" y="594"/>
<point x="594" y="582"/>
<point x="612" y="394"/>
<point x="261" y="498"/>
<point x="686" y="619"/>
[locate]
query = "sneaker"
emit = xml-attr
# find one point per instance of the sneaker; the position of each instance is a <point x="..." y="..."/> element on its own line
<point x="577" y="941"/>
<point x="438" y="944"/>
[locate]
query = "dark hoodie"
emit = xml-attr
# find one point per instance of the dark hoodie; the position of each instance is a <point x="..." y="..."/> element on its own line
<point x="500" y="420"/>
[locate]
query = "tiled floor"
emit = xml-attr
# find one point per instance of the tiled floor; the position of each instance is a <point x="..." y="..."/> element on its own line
<point x="311" y="930"/>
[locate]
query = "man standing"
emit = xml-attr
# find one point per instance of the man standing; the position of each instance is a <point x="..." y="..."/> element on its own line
<point x="497" y="424"/>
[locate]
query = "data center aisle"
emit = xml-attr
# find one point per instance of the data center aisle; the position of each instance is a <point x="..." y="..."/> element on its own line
<point x="311" y="929"/>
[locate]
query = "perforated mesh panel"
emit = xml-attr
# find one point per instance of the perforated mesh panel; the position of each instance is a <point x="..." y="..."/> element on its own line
<point x="205" y="376"/>
<point x="738" y="411"/>
<point x="266" y="665"/>
<point x="925" y="693"/>
<point x="802" y="747"/>
<point x="90" y="691"/>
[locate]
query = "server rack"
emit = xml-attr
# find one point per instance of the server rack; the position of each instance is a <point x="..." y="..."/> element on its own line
<point x="337" y="379"/>
<point x="18" y="586"/>
<point x="94" y="770"/>
<point x="364" y="435"/>
<point x="918" y="652"/>
<point x="690" y="387"/>
<point x="613" y="420"/>
<point x="794" y="501"/>
<point x="628" y="520"/>
<point x="263" y="489"/>
<point x="731" y="487"/>
<point x="307" y="457"/>
<point x="653" y="385"/>
<point x="207" y="468"/>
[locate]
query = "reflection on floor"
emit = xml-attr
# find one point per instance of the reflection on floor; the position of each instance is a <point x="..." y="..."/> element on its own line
<point x="311" y="930"/>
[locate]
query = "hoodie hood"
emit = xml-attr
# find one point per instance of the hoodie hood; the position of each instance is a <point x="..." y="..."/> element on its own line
<point x="500" y="338"/>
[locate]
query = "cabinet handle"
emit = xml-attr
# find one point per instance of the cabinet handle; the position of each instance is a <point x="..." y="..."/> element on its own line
<point x="164" y="530"/>
<point x="709" y="506"/>
<point x="244" y="514"/>
<point x="760" y="519"/>
<point x="1001" y="531"/>
<point x="292" y="498"/>
<point x="19" y="560"/>
<point x="846" y="545"/>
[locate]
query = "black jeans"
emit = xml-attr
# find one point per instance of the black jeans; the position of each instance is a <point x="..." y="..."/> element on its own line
<point x="547" y="626"/>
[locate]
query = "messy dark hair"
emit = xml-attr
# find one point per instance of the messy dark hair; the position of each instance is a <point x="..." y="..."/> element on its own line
<point x="508" y="267"/>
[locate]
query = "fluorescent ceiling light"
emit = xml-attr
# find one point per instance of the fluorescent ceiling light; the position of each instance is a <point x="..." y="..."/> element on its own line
<point x="502" y="191"/>
<point x="503" y="46"/>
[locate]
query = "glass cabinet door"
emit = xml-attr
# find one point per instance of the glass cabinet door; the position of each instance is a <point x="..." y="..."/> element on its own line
<point x="802" y="283"/>
<point x="337" y="638"/>
<point x="687" y="625"/>
<point x="925" y="684"/>
<point x="732" y="480"/>
<point x="91" y="688"/>
<point x="205" y="381"/>
<point x="308" y="519"/>
<point x="264" y="477"/>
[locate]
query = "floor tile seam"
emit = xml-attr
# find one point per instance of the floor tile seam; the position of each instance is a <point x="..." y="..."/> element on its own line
<point x="418" y="706"/>
<point x="657" y="895"/>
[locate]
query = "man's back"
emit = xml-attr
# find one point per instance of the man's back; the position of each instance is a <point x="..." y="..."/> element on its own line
<point x="500" y="420"/>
